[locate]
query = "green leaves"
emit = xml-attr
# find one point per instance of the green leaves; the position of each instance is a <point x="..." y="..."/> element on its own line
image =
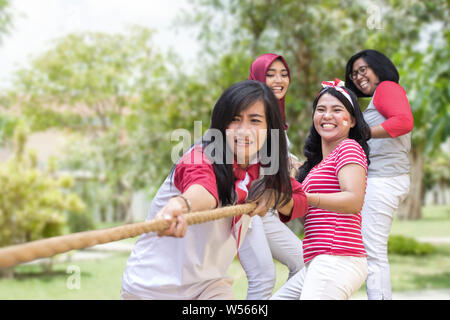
<point x="5" y="17"/>
<point x="425" y="75"/>
<point x="89" y="76"/>
<point x="33" y="203"/>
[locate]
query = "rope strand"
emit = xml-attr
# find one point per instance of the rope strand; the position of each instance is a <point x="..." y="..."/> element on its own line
<point x="21" y="253"/>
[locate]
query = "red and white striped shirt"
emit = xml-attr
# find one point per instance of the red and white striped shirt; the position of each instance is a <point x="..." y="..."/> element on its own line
<point x="328" y="232"/>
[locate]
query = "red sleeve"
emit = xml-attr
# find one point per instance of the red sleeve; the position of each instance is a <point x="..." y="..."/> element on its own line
<point x="391" y="101"/>
<point x="300" y="203"/>
<point x="195" y="168"/>
<point x="350" y="152"/>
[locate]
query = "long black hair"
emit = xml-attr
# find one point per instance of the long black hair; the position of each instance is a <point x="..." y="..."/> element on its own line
<point x="378" y="62"/>
<point x="313" y="146"/>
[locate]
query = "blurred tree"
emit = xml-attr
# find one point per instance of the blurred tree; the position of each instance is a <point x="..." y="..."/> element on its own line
<point x="437" y="176"/>
<point x="7" y="123"/>
<point x="124" y="97"/>
<point x="316" y="38"/>
<point x="421" y="55"/>
<point x="426" y="80"/>
<point x="33" y="203"/>
<point x="88" y="81"/>
<point x="5" y="17"/>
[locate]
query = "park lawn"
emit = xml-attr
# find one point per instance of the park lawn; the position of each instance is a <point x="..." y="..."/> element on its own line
<point x="407" y="273"/>
<point x="101" y="279"/>
<point x="435" y="222"/>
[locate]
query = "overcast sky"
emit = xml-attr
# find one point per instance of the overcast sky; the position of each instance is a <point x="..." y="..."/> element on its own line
<point x="37" y="22"/>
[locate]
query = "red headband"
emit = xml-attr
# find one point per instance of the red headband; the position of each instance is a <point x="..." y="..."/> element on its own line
<point x="338" y="85"/>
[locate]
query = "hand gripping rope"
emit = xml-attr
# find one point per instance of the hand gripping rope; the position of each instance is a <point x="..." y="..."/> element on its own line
<point x="21" y="253"/>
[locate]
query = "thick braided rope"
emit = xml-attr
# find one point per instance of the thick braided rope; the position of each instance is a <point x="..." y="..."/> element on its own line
<point x="44" y="248"/>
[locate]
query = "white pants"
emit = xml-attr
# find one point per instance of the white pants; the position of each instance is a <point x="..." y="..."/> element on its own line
<point x="218" y="290"/>
<point x="268" y="238"/>
<point x="383" y="196"/>
<point x="326" y="277"/>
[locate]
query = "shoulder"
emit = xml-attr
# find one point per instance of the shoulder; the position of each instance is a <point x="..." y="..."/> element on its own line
<point x="388" y="88"/>
<point x="349" y="145"/>
<point x="194" y="156"/>
<point x="350" y="151"/>
<point x="195" y="168"/>
<point x="193" y="165"/>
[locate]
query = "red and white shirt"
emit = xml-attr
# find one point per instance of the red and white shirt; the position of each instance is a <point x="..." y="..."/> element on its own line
<point x="182" y="268"/>
<point x="328" y="232"/>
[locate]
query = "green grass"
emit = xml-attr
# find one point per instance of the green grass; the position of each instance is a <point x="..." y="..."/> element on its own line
<point x="101" y="279"/>
<point x="407" y="273"/>
<point x="240" y="285"/>
<point x="435" y="222"/>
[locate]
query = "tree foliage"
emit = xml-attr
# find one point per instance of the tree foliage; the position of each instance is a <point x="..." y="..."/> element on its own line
<point x="317" y="38"/>
<point x="5" y="18"/>
<point x="123" y="98"/>
<point x="89" y="80"/>
<point x="33" y="203"/>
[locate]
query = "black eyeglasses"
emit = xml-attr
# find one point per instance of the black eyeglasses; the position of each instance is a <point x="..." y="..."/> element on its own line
<point x="361" y="70"/>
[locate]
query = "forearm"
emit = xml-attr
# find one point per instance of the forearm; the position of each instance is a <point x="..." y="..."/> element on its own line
<point x="340" y="202"/>
<point x="195" y="198"/>
<point x="200" y="198"/>
<point x="296" y="208"/>
<point x="378" y="132"/>
<point x="287" y="209"/>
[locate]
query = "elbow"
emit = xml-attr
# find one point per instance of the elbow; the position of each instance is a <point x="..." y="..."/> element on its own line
<point x="399" y="126"/>
<point x="407" y="124"/>
<point x="410" y="126"/>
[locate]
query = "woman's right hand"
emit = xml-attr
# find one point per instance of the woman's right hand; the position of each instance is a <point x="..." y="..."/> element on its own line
<point x="295" y="165"/>
<point x="173" y="212"/>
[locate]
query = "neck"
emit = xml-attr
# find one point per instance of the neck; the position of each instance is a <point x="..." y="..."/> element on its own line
<point x="243" y="166"/>
<point x="246" y="162"/>
<point x="329" y="146"/>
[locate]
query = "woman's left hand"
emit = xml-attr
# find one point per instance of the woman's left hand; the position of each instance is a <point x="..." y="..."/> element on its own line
<point x="264" y="203"/>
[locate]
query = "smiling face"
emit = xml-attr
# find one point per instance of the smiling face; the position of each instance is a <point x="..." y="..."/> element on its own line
<point x="247" y="133"/>
<point x="364" y="77"/>
<point x="277" y="78"/>
<point x="332" y="120"/>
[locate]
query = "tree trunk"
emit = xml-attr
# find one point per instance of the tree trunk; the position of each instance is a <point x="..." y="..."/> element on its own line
<point x="115" y="215"/>
<point x="103" y="213"/>
<point x="411" y="208"/>
<point x="128" y="210"/>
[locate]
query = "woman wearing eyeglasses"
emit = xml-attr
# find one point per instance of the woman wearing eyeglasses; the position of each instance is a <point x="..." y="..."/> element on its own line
<point x="370" y="73"/>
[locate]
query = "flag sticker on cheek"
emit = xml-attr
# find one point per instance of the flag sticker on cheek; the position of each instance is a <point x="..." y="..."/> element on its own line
<point x="345" y="122"/>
